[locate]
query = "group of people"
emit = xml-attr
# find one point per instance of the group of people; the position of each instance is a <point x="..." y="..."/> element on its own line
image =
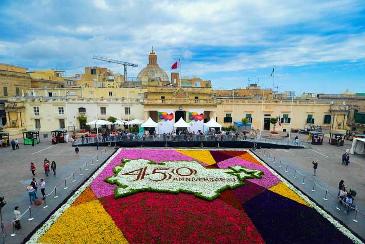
<point x="47" y="166"/>
<point x="14" y="144"/>
<point x="32" y="190"/>
<point x="346" y="158"/>
<point x="346" y="196"/>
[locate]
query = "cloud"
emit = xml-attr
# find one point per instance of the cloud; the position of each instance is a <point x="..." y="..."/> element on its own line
<point x="209" y="36"/>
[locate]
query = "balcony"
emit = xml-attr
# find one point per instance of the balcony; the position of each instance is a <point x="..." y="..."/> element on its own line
<point x="182" y="101"/>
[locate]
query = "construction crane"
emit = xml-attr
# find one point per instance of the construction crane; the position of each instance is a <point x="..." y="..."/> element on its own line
<point x="125" y="64"/>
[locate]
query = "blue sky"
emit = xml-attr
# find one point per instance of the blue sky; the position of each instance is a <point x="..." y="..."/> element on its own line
<point x="316" y="46"/>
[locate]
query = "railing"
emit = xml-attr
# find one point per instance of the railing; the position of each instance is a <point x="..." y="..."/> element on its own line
<point x="322" y="194"/>
<point x="9" y="231"/>
<point x="180" y="138"/>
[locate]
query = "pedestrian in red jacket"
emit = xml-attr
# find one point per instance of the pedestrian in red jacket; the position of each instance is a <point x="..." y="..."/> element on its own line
<point x="46" y="168"/>
<point x="32" y="168"/>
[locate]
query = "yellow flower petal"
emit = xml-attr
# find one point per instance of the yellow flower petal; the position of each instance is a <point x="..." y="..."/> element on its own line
<point x="203" y="156"/>
<point x="283" y="190"/>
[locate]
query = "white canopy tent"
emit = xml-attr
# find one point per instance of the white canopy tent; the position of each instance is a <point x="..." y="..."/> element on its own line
<point x="135" y="122"/>
<point x="149" y="123"/>
<point x="97" y="123"/>
<point x="212" y="124"/>
<point x="120" y="122"/>
<point x="181" y="124"/>
<point x="358" y="146"/>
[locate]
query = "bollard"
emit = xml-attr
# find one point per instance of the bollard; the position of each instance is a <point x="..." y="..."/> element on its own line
<point x="105" y="150"/>
<point x="97" y="157"/>
<point x="86" y="166"/>
<point x="286" y="169"/>
<point x="303" y="183"/>
<point x="55" y="192"/>
<point x="13" y="234"/>
<point x="325" y="196"/>
<point x="73" y="177"/>
<point x="280" y="164"/>
<point x="45" y="202"/>
<point x="274" y="159"/>
<point x="313" y="189"/>
<point x="65" y="185"/>
<point x="81" y="171"/>
<point x="295" y="174"/>
<point x="218" y="145"/>
<point x="30" y="214"/>
<point x="338" y="206"/>
<point x="355" y="219"/>
<point x="92" y="162"/>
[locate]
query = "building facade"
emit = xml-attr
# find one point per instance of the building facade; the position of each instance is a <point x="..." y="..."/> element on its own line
<point x="166" y="100"/>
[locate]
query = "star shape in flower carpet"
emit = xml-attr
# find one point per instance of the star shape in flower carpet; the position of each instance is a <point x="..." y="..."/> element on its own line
<point x="202" y="156"/>
<point x="283" y="190"/>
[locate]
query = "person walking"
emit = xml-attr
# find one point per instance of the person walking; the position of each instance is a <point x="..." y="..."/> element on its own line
<point x="77" y="150"/>
<point x="17" y="216"/>
<point x="32" y="168"/>
<point x="53" y="167"/>
<point x="42" y="185"/>
<point x="315" y="166"/>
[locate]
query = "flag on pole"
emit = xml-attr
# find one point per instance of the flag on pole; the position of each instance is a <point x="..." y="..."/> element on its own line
<point x="174" y="65"/>
<point x="272" y="72"/>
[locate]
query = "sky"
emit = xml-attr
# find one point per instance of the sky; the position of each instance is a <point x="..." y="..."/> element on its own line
<point x="315" y="46"/>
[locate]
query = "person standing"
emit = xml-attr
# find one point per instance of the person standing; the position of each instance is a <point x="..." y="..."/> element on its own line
<point x="46" y="167"/>
<point x="12" y="142"/>
<point x="17" y="215"/>
<point x="53" y="167"/>
<point x="77" y="150"/>
<point x="42" y="185"/>
<point x="32" y="168"/>
<point x="34" y="184"/>
<point x="315" y="166"/>
<point x="31" y="192"/>
<point x="16" y="143"/>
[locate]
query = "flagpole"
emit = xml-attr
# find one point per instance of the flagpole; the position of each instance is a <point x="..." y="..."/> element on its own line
<point x="180" y="72"/>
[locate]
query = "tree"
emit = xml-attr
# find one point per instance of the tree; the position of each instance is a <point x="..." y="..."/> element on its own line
<point x="273" y="121"/>
<point x="244" y="121"/>
<point x="82" y="120"/>
<point x="112" y="119"/>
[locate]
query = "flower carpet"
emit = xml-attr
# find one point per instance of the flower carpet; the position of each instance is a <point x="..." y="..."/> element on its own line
<point x="189" y="196"/>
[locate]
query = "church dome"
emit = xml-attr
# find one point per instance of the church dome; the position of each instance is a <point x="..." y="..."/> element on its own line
<point x="152" y="72"/>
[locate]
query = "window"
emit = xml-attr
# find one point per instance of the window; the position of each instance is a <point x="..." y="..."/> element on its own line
<point x="310" y="119"/>
<point x="110" y="94"/>
<point x="82" y="110"/>
<point x="17" y="91"/>
<point x="5" y="90"/>
<point x="93" y="71"/>
<point x="285" y="119"/>
<point x="37" y="123"/>
<point x="327" y="119"/>
<point x="103" y="110"/>
<point x="163" y="99"/>
<point x="196" y="99"/>
<point x="50" y="94"/>
<point x="62" y="123"/>
<point x="127" y="110"/>
<point x="60" y="110"/>
<point x="228" y="118"/>
<point x="36" y="110"/>
<point x="249" y="117"/>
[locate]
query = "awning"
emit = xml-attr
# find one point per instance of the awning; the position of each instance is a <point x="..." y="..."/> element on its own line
<point x="358" y="146"/>
<point x="135" y="122"/>
<point x="99" y="122"/>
